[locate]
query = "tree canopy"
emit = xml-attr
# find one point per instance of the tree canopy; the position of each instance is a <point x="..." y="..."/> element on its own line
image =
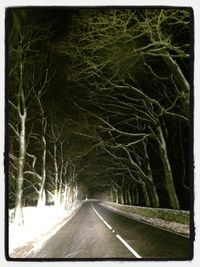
<point x="99" y="102"/>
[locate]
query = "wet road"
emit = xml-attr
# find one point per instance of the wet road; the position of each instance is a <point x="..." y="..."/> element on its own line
<point x="96" y="232"/>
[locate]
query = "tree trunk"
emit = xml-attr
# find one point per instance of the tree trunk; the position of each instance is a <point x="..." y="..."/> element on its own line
<point x="60" y="187"/>
<point x="117" y="196"/>
<point x="182" y="159"/>
<point x="60" y="175"/>
<point x="18" y="214"/>
<point x="153" y="195"/>
<point x="168" y="172"/>
<point x="75" y="196"/>
<point x="150" y="184"/>
<point x="137" y="199"/>
<point x="42" y="199"/>
<point x="59" y="196"/>
<point x="20" y="173"/>
<point x="65" y="196"/>
<point x="69" y="198"/>
<point x="121" y="196"/>
<point x="125" y="193"/>
<point x="129" y="196"/>
<point x="146" y="195"/>
<point x="179" y="77"/>
<point x="42" y="193"/>
<point x="133" y="195"/>
<point x="111" y="195"/>
<point x="56" y="176"/>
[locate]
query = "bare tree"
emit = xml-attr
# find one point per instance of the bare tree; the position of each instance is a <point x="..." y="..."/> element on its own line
<point x="20" y="108"/>
<point x="118" y="60"/>
<point x="22" y="73"/>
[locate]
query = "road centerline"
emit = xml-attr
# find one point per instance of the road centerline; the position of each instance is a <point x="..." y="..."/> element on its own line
<point x="128" y="247"/>
<point x="101" y="218"/>
<point x="117" y="236"/>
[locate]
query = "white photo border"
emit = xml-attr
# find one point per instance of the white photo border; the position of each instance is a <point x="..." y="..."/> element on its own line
<point x="195" y="5"/>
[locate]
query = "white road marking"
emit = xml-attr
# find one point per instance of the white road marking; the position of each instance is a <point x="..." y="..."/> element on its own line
<point x="102" y="219"/>
<point x="118" y="236"/>
<point x="128" y="247"/>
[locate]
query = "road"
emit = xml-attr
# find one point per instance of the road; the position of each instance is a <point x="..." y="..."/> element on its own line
<point x="96" y="232"/>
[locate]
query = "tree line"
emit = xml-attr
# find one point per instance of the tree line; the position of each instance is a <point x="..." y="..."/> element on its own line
<point x="107" y="101"/>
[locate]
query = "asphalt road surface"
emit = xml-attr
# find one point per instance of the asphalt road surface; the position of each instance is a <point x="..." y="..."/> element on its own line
<point x="98" y="233"/>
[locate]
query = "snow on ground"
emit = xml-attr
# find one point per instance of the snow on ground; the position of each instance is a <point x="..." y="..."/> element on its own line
<point x="39" y="226"/>
<point x="175" y="227"/>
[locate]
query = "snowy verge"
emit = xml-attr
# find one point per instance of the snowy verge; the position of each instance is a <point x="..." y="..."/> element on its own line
<point x="172" y="226"/>
<point x="39" y="226"/>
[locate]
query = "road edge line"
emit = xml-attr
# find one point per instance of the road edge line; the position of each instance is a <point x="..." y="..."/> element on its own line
<point x="118" y="236"/>
<point x="128" y="247"/>
<point x="101" y="218"/>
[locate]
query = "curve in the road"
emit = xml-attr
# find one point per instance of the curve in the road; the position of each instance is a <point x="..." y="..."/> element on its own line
<point x="98" y="233"/>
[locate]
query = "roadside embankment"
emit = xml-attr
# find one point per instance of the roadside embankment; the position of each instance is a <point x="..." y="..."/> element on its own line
<point x="177" y="221"/>
<point x="39" y="226"/>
